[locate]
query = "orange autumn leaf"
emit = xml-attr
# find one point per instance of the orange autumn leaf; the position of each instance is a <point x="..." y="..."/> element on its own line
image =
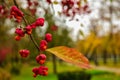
<point x="70" y="55"/>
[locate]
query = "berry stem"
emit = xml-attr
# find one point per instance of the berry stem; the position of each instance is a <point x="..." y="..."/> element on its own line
<point x="35" y="43"/>
<point x="26" y="23"/>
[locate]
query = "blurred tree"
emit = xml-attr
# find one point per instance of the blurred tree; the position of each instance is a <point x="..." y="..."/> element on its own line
<point x="105" y="29"/>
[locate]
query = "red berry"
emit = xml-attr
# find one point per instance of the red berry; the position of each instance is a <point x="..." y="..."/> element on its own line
<point x="54" y="28"/>
<point x="17" y="38"/>
<point x="29" y="32"/>
<point x="14" y="11"/>
<point x="24" y="53"/>
<point x="35" y="70"/>
<point x="20" y="32"/>
<point x="43" y="70"/>
<point x="33" y="25"/>
<point x="29" y="3"/>
<point x="39" y="22"/>
<point x="43" y="45"/>
<point x="41" y="58"/>
<point x="33" y="11"/>
<point x="28" y="28"/>
<point x="45" y="73"/>
<point x="48" y="37"/>
<point x="1" y="9"/>
<point x="36" y="3"/>
<point x="85" y="7"/>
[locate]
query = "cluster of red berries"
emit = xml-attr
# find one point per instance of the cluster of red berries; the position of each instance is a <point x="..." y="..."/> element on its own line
<point x="32" y="5"/>
<point x="28" y="29"/>
<point x="16" y="14"/>
<point x="3" y="11"/>
<point x="24" y="53"/>
<point x="43" y="43"/>
<point x="41" y="58"/>
<point x="42" y="70"/>
<point x="72" y="7"/>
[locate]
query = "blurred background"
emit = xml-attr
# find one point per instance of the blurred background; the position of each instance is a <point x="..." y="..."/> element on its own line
<point x="94" y="32"/>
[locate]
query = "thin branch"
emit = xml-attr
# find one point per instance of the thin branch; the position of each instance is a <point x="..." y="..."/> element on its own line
<point x="31" y="37"/>
<point x="26" y="23"/>
<point x="15" y="3"/>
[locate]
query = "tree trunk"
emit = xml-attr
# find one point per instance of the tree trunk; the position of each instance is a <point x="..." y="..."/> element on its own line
<point x="54" y="64"/>
<point x="114" y="57"/>
<point x="105" y="57"/>
<point x="96" y="59"/>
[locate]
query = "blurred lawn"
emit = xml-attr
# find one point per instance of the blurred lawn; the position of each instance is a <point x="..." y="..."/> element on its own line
<point x="26" y="73"/>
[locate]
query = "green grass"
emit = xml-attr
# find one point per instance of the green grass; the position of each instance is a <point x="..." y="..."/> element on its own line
<point x="29" y="77"/>
<point x="98" y="72"/>
<point x="26" y="73"/>
<point x="106" y="77"/>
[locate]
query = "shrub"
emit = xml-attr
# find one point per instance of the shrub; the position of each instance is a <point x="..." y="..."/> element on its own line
<point x="74" y="75"/>
<point x="98" y="72"/>
<point x="15" y="70"/>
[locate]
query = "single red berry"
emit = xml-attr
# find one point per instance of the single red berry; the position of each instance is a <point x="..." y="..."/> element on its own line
<point x="29" y="32"/>
<point x="43" y="45"/>
<point x="54" y="28"/>
<point x="45" y="73"/>
<point x="48" y="37"/>
<point x="1" y="8"/>
<point x="24" y="53"/>
<point x="41" y="58"/>
<point x="36" y="3"/>
<point x="20" y="32"/>
<point x="29" y="2"/>
<point x="17" y="38"/>
<point x="39" y="22"/>
<point x="35" y="70"/>
<point x="33" y="11"/>
<point x="28" y="28"/>
<point x="85" y="7"/>
<point x="43" y="70"/>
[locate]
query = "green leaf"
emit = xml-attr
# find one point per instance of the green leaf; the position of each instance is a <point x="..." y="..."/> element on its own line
<point x="111" y="0"/>
<point x="55" y="2"/>
<point x="70" y="55"/>
<point x="81" y="33"/>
